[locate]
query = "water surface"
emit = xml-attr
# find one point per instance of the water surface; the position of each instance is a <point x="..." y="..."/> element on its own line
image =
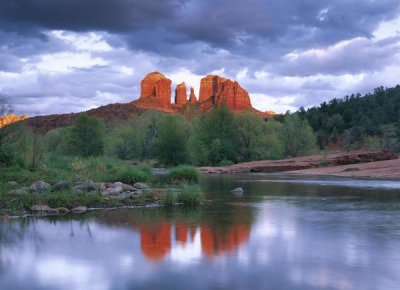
<point x="283" y="233"/>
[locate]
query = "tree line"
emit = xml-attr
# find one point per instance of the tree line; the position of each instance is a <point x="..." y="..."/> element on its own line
<point x="371" y="121"/>
<point x="217" y="137"/>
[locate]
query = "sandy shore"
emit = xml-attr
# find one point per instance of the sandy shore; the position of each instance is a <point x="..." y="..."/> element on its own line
<point x="378" y="169"/>
<point x="376" y="164"/>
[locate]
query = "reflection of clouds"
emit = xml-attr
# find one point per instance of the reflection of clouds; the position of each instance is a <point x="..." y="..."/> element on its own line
<point x="187" y="253"/>
<point x="63" y="273"/>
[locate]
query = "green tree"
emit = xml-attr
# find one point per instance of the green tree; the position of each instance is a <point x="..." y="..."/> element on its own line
<point x="272" y="143"/>
<point x="214" y="137"/>
<point x="86" y="137"/>
<point x="252" y="131"/>
<point x="172" y="140"/>
<point x="298" y="137"/>
<point x="127" y="142"/>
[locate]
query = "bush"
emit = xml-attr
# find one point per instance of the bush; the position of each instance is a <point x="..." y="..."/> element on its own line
<point x="129" y="174"/>
<point x="184" y="173"/>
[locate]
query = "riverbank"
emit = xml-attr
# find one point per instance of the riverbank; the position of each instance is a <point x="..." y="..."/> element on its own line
<point x="381" y="169"/>
<point x="378" y="164"/>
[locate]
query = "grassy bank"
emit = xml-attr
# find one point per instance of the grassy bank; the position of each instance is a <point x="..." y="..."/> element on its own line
<point x="99" y="171"/>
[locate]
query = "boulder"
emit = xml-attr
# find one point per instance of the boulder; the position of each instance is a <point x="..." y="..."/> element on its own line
<point x="180" y="94"/>
<point x="40" y="187"/>
<point x="62" y="185"/>
<point x="62" y="210"/>
<point x="140" y="185"/>
<point x="87" y="186"/>
<point x="43" y="208"/>
<point x="115" y="190"/>
<point x="125" y="187"/>
<point x="19" y="191"/>
<point x="12" y="183"/>
<point x="79" y="209"/>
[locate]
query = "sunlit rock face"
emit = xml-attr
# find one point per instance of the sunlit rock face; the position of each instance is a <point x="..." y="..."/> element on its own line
<point x="180" y="94"/>
<point x="215" y="90"/>
<point x="157" y="87"/>
<point x="10" y="119"/>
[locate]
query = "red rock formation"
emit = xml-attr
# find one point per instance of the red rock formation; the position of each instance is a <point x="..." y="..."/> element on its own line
<point x="192" y="98"/>
<point x="157" y="87"/>
<point x="180" y="94"/>
<point x="216" y="90"/>
<point x="10" y="119"/>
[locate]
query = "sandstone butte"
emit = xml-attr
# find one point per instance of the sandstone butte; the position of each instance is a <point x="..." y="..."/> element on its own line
<point x="214" y="91"/>
<point x="156" y="95"/>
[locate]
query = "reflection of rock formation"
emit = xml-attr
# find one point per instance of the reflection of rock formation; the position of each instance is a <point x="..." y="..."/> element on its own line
<point x="215" y="242"/>
<point x="156" y="240"/>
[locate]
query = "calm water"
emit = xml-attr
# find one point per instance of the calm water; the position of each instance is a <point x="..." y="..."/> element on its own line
<point x="283" y="233"/>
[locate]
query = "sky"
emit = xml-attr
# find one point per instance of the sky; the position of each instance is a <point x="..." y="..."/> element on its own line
<point x="72" y="55"/>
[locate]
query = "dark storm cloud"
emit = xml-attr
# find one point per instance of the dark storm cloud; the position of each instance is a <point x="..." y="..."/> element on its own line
<point x="84" y="15"/>
<point x="233" y="25"/>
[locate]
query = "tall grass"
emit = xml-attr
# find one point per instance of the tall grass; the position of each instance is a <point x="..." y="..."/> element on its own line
<point x="187" y="195"/>
<point x="190" y="195"/>
<point x="184" y="173"/>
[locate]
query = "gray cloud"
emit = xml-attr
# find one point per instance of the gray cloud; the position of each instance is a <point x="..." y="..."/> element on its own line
<point x="200" y="36"/>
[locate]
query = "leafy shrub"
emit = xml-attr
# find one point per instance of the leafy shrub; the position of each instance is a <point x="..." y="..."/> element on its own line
<point x="185" y="173"/>
<point x="129" y="174"/>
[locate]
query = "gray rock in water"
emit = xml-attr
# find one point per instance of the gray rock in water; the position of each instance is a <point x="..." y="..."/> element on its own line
<point x="43" y="208"/>
<point x="62" y="185"/>
<point x="19" y="191"/>
<point x="140" y="185"/>
<point x="79" y="209"/>
<point x="237" y="191"/>
<point x="40" y="187"/>
<point x="13" y="183"/>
